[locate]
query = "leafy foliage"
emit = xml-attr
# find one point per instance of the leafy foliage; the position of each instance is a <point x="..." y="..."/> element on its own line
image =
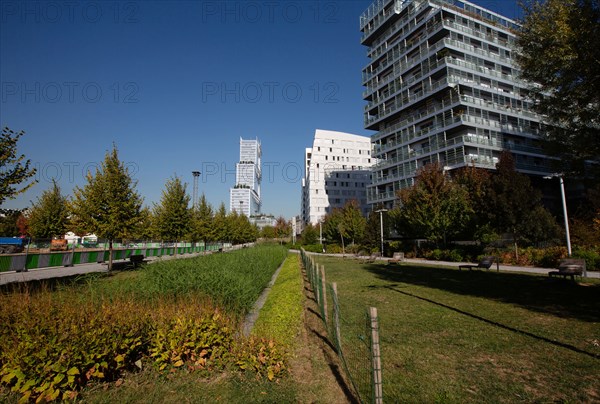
<point x="560" y="53"/>
<point x="49" y="216"/>
<point x="172" y="215"/>
<point x="108" y="205"/>
<point x="14" y="169"/>
<point x="435" y="207"/>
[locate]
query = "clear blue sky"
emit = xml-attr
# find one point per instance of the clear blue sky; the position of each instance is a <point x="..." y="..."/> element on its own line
<point x="175" y="84"/>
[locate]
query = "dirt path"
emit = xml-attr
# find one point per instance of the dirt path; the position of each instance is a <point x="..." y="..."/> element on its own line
<point x="316" y="366"/>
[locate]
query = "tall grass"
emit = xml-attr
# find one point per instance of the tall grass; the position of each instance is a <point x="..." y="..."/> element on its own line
<point x="231" y="281"/>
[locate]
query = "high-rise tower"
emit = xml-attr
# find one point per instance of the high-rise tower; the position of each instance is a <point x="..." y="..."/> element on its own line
<point x="244" y="197"/>
<point x="442" y="86"/>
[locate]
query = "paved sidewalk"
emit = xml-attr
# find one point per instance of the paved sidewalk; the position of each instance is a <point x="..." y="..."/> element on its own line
<point x="507" y="268"/>
<point x="79" y="269"/>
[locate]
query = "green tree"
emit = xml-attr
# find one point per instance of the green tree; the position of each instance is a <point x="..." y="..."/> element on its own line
<point x="331" y="226"/>
<point x="220" y="230"/>
<point x="172" y="215"/>
<point x="435" y="207"/>
<point x="477" y="184"/>
<point x="14" y="169"/>
<point x="353" y="221"/>
<point x="559" y="53"/>
<point x="372" y="237"/>
<point x="514" y="204"/>
<point x="310" y="235"/>
<point x="8" y="222"/>
<point x="202" y="223"/>
<point x="49" y="216"/>
<point x="146" y="227"/>
<point x="108" y="205"/>
<point x="268" y="232"/>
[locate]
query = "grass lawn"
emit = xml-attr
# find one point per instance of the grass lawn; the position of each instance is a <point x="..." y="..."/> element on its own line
<point x="473" y="336"/>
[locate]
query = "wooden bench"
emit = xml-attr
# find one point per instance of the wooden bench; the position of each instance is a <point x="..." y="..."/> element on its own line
<point x="136" y="259"/>
<point x="569" y="267"/>
<point x="485" y="263"/>
<point x="396" y="258"/>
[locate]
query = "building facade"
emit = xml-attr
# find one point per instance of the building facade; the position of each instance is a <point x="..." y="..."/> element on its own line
<point x="442" y="86"/>
<point x="336" y="170"/>
<point x="244" y="197"/>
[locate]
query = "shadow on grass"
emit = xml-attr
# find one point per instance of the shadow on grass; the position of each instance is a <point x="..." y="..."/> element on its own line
<point x="562" y="298"/>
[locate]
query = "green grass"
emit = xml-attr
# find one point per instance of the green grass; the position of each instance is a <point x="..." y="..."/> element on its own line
<point x="450" y="336"/>
<point x="281" y="316"/>
<point x="233" y="281"/>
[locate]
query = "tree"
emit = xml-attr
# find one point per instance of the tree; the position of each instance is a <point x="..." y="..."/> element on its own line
<point x="435" y="207"/>
<point x="353" y="221"/>
<point x="559" y="53"/>
<point x="49" y="216"/>
<point x="310" y="235"/>
<point x="14" y="169"/>
<point x="202" y="221"/>
<point x="23" y="225"/>
<point x="172" y="214"/>
<point x="108" y="205"/>
<point x="268" y="232"/>
<point x="372" y="237"/>
<point x="220" y="230"/>
<point x="514" y="204"/>
<point x="8" y="222"/>
<point x="282" y="228"/>
<point x="477" y="184"/>
<point x="146" y="227"/>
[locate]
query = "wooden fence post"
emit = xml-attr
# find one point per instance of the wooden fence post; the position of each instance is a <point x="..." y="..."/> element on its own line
<point x="376" y="357"/>
<point x="336" y="318"/>
<point x="324" y="297"/>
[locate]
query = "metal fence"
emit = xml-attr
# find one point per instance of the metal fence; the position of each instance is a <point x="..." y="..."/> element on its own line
<point x="356" y="340"/>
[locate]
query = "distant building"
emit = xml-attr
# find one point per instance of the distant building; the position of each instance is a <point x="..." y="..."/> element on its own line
<point x="442" y="86"/>
<point x="262" y="221"/>
<point x="244" y="197"/>
<point x="336" y="170"/>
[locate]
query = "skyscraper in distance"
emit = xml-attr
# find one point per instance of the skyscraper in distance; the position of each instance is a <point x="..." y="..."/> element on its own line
<point x="245" y="197"/>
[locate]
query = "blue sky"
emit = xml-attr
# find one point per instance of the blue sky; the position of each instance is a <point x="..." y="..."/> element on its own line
<point x="175" y="84"/>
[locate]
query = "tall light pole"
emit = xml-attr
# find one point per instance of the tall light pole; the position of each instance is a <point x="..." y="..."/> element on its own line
<point x="196" y="174"/>
<point x="380" y="211"/>
<point x="564" y="206"/>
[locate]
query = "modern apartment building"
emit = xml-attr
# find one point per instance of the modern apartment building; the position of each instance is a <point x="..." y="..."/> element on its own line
<point x="244" y="197"/>
<point x="336" y="170"/>
<point x="442" y="86"/>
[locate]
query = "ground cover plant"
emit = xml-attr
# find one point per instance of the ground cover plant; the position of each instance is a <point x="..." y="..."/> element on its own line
<point x="451" y="336"/>
<point x="169" y="316"/>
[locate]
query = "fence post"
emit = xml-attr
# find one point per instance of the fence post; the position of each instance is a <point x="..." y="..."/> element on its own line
<point x="336" y="317"/>
<point x="376" y="357"/>
<point x="324" y="295"/>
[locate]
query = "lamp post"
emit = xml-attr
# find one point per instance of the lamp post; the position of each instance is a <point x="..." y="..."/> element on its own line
<point x="564" y="206"/>
<point x="241" y="207"/>
<point x="380" y="211"/>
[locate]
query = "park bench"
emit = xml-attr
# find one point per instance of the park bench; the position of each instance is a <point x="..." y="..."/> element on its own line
<point x="372" y="258"/>
<point x="136" y="259"/>
<point x="569" y="267"/>
<point x="484" y="263"/>
<point x="396" y="258"/>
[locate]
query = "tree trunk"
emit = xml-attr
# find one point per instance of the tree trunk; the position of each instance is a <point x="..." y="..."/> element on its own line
<point x="516" y="248"/>
<point x="175" y="252"/>
<point x="343" y="247"/>
<point x="110" y="254"/>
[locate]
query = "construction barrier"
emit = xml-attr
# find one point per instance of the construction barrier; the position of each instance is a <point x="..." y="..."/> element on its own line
<point x="16" y="262"/>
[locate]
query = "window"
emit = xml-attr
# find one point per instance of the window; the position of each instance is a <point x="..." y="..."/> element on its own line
<point x="319" y="148"/>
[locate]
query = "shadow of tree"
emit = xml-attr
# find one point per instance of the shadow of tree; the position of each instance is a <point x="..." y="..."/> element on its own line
<point x="559" y="297"/>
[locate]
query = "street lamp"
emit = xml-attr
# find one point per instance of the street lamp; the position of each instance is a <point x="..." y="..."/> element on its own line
<point x="564" y="206"/>
<point x="380" y="211"/>
<point x="241" y="207"/>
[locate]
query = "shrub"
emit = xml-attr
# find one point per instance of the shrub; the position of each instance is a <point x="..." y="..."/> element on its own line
<point x="591" y="257"/>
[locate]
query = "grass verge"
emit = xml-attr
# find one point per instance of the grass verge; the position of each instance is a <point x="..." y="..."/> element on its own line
<point x="281" y="316"/>
<point x="451" y="336"/>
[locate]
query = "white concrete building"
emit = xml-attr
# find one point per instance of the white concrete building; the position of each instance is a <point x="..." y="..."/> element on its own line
<point x="336" y="170"/>
<point x="244" y="197"/>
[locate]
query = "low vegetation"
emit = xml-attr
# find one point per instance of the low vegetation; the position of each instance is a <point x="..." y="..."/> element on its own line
<point x="167" y="317"/>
